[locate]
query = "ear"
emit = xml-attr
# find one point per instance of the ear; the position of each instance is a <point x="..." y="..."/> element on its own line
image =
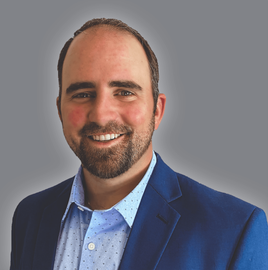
<point x="58" y="107"/>
<point x="160" y="109"/>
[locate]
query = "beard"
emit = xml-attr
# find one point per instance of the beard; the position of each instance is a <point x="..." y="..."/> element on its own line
<point x="112" y="161"/>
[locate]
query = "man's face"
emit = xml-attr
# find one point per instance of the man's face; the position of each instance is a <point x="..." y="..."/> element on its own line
<point x="107" y="102"/>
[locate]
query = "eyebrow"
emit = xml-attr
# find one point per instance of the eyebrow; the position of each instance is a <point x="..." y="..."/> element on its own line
<point x="125" y="84"/>
<point x="83" y="85"/>
<point x="79" y="85"/>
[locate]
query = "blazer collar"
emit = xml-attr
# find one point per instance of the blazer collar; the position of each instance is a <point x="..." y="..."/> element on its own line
<point x="46" y="242"/>
<point x="155" y="220"/>
<point x="165" y="182"/>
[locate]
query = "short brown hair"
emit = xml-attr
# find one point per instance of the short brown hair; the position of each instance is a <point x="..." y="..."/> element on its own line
<point x="119" y="25"/>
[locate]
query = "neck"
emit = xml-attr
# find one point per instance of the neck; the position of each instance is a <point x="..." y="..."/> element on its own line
<point x="102" y="194"/>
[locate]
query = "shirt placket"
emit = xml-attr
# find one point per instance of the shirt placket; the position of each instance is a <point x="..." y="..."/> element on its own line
<point x="102" y="240"/>
<point x="92" y="241"/>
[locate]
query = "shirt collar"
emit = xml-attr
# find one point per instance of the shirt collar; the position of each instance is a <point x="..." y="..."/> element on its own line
<point x="127" y="207"/>
<point x="77" y="195"/>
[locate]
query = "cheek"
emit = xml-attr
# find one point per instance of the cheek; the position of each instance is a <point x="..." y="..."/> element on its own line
<point x="135" y="116"/>
<point x="77" y="117"/>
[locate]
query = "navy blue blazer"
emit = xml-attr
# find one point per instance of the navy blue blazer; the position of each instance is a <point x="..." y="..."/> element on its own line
<point x="180" y="224"/>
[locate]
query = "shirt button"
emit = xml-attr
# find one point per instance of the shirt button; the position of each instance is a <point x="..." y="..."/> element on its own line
<point x="91" y="246"/>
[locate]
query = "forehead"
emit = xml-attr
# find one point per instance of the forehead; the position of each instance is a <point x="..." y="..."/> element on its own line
<point x="105" y="38"/>
<point x="105" y="47"/>
<point x="102" y="37"/>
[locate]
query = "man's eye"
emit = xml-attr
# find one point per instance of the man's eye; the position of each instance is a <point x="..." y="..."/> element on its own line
<point x="125" y="93"/>
<point x="83" y="95"/>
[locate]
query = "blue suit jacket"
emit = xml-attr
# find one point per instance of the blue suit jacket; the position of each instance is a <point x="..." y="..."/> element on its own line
<point x="180" y="224"/>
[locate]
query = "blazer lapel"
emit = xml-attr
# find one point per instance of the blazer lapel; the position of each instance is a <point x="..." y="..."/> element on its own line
<point x="48" y="232"/>
<point x="155" y="220"/>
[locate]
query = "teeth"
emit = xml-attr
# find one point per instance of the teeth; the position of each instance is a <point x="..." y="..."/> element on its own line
<point x="105" y="137"/>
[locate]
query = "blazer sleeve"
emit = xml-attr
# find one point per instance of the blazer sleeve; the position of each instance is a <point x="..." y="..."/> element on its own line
<point x="251" y="252"/>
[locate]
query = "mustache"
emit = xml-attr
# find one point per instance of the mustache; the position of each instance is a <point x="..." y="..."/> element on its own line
<point x="110" y="128"/>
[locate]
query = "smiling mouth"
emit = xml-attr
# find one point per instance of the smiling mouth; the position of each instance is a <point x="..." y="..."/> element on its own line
<point x="104" y="137"/>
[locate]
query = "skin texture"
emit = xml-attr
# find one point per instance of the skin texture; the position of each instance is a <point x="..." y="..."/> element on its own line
<point x="115" y="97"/>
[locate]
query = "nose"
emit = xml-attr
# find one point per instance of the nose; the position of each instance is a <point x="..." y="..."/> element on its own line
<point x="103" y="109"/>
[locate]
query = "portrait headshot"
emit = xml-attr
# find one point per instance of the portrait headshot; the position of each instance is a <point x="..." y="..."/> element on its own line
<point x="134" y="135"/>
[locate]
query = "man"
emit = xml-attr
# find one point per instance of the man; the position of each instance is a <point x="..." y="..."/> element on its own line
<point x="125" y="208"/>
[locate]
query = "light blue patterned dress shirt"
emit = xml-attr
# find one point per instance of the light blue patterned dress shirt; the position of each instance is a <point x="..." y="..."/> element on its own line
<point x="96" y="239"/>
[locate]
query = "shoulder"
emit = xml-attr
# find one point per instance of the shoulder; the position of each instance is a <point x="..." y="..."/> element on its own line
<point x="40" y="200"/>
<point x="195" y="199"/>
<point x="196" y="193"/>
<point x="216" y="212"/>
<point x="202" y="199"/>
<point x="39" y="210"/>
<point x="236" y="226"/>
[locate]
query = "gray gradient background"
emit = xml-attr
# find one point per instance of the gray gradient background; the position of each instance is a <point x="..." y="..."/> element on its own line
<point x="213" y="69"/>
